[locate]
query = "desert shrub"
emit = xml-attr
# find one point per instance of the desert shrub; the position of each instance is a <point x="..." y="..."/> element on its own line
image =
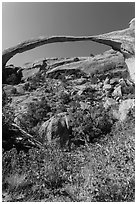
<point x="131" y="114"/>
<point x="112" y="165"/>
<point x="37" y="112"/>
<point x="90" y="123"/>
<point x="58" y="95"/>
<point x="14" y="174"/>
<point x="54" y="91"/>
<point x="8" y="135"/>
<point x="7" y="119"/>
<point x="36" y="81"/>
<point x="12" y="75"/>
<point x="113" y="192"/>
<point x="12" y="79"/>
<point x="5" y="99"/>
<point x="40" y="173"/>
<point x="11" y="136"/>
<point x="47" y="173"/>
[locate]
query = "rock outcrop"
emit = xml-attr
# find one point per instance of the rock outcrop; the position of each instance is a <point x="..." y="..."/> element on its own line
<point x="109" y="63"/>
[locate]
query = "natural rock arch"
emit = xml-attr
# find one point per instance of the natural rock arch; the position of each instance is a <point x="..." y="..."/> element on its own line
<point x="122" y="40"/>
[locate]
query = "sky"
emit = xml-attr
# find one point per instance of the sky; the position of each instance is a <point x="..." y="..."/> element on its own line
<point x="26" y="20"/>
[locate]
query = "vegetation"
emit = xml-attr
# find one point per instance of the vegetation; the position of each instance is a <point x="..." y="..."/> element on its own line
<point x="103" y="173"/>
<point x="100" y="166"/>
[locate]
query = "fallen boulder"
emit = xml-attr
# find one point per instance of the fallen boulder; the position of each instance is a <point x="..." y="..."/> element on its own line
<point x="9" y="90"/>
<point x="56" y="128"/>
<point x="125" y="107"/>
<point x="120" y="110"/>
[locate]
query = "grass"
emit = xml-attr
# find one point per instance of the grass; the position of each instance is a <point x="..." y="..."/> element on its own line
<point x="111" y="164"/>
<point x="103" y="172"/>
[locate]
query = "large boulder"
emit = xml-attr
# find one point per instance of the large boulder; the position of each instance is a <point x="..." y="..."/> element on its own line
<point x="125" y="107"/>
<point x="31" y="69"/>
<point x="56" y="129"/>
<point x="20" y="88"/>
<point x="9" y="90"/>
<point x="120" y="110"/>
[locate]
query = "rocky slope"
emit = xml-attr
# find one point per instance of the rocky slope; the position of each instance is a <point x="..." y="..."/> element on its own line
<point x="106" y="84"/>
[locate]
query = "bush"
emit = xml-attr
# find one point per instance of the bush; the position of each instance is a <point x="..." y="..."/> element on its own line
<point x="111" y="162"/>
<point x="113" y="192"/>
<point x="5" y="98"/>
<point x="36" y="81"/>
<point x="37" y="112"/>
<point x="40" y="173"/>
<point x="91" y="123"/>
<point x="8" y="135"/>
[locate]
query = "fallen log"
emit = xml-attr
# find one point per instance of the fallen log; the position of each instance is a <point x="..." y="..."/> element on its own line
<point x="28" y="136"/>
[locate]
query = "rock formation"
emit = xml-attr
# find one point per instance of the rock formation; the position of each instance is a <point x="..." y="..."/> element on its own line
<point x="122" y="41"/>
<point x="108" y="63"/>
